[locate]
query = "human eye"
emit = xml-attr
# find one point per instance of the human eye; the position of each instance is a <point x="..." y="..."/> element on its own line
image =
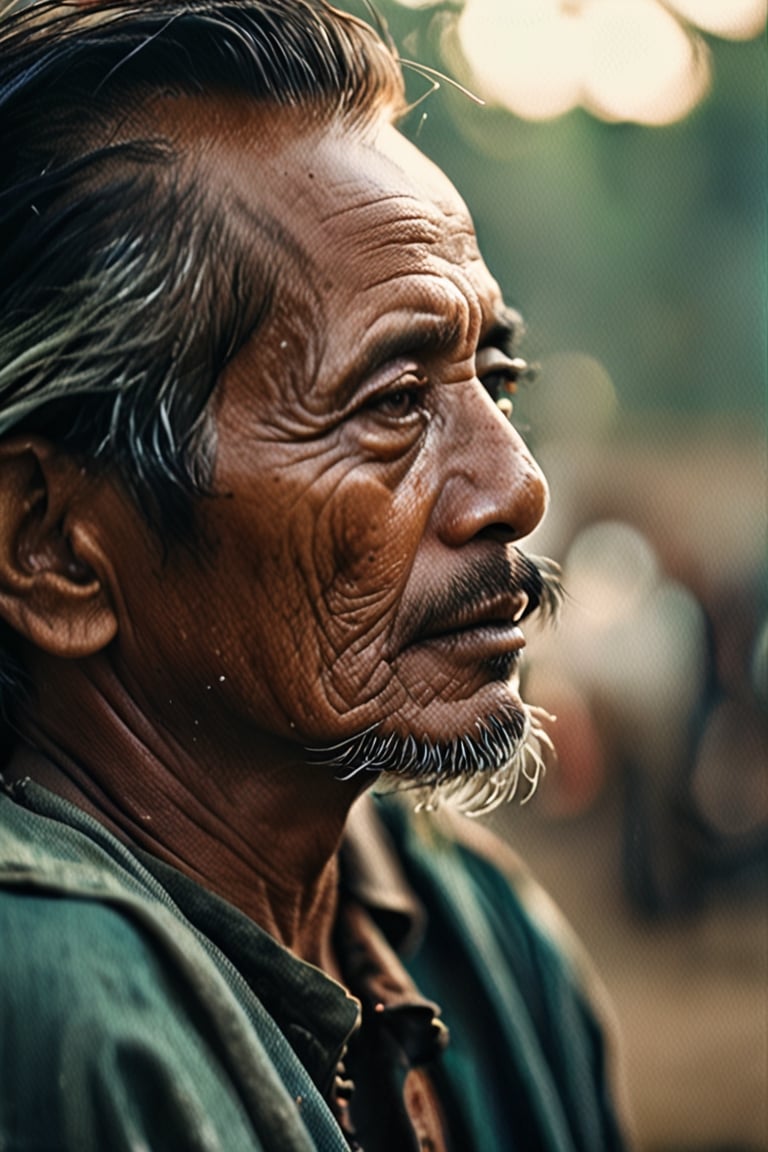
<point x="402" y="401"/>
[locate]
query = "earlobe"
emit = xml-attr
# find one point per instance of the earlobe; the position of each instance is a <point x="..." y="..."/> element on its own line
<point x="53" y="578"/>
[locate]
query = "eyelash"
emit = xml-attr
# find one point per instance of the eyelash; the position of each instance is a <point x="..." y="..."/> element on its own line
<point x="500" y="383"/>
<point x="414" y="393"/>
<point x="509" y="375"/>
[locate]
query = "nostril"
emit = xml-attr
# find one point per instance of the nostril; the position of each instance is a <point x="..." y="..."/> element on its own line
<point x="501" y="502"/>
<point x="499" y="533"/>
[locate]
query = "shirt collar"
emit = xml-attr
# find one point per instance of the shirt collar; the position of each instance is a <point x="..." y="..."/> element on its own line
<point x="314" y="1012"/>
<point x="371" y="872"/>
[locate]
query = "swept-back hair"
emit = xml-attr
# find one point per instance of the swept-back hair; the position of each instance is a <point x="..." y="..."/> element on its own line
<point x="124" y="289"/>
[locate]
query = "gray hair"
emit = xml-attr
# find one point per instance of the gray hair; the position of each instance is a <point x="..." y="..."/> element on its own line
<point x="124" y="290"/>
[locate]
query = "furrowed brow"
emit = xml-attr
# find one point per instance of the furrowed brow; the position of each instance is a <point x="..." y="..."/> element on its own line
<point x="423" y="336"/>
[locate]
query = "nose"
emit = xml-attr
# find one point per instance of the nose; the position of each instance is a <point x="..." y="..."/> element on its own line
<point x="492" y="487"/>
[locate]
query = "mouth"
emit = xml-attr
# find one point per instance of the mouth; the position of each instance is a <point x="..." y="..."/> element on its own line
<point x="486" y="630"/>
<point x="472" y="618"/>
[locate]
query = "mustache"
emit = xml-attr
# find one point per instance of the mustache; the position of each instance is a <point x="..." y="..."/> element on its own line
<point x="513" y="573"/>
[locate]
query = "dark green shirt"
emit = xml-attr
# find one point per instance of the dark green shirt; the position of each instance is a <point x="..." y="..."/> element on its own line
<point x="140" y="1012"/>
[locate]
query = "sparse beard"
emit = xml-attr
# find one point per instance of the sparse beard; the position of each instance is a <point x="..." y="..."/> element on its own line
<point x="474" y="772"/>
<point x="478" y="770"/>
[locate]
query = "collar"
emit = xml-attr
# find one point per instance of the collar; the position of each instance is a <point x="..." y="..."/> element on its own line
<point x="315" y="1013"/>
<point x="371" y="872"/>
<point x="379" y="915"/>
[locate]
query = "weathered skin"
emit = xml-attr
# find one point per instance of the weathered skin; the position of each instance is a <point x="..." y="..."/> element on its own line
<point x="351" y="488"/>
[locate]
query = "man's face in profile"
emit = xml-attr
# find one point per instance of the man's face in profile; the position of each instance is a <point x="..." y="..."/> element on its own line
<point x="357" y="570"/>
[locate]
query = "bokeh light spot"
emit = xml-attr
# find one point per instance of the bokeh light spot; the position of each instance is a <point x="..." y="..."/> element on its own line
<point x="611" y="569"/>
<point x="639" y="63"/>
<point x="731" y="19"/>
<point x="522" y="55"/>
<point x="575" y="397"/>
<point x="624" y="60"/>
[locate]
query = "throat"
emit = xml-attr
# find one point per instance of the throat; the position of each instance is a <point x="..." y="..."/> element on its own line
<point x="256" y="848"/>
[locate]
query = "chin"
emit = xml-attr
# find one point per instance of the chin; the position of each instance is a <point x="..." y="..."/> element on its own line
<point x="473" y="754"/>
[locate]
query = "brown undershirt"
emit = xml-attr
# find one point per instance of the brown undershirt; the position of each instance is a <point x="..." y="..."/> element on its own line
<point x="384" y="1093"/>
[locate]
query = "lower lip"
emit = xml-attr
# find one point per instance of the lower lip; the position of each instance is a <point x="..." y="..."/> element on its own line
<point x="482" y="642"/>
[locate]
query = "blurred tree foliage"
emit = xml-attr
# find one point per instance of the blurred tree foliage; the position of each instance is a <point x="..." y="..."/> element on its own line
<point x="644" y="247"/>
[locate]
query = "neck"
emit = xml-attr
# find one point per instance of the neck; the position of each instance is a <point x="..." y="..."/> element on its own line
<point x="260" y="829"/>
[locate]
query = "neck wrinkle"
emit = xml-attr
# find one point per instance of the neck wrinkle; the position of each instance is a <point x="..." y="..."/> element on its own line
<point x="267" y="843"/>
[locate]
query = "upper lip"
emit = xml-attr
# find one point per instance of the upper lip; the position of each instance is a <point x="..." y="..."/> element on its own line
<point x="503" y="610"/>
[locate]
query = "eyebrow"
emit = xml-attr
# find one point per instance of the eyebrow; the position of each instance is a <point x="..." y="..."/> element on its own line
<point x="428" y="335"/>
<point x="439" y="334"/>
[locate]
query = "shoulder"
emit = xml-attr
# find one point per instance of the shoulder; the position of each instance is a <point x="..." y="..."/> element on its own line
<point x="88" y="990"/>
<point x="70" y="920"/>
<point x="509" y="943"/>
<point x="455" y="847"/>
<point x="103" y="1035"/>
<point x="74" y="947"/>
<point x="489" y="888"/>
<point x="489" y="855"/>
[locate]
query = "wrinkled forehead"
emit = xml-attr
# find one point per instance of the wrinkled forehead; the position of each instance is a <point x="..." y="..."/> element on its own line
<point x="364" y="243"/>
<point x="354" y="201"/>
<point x="386" y="192"/>
<point x="263" y="149"/>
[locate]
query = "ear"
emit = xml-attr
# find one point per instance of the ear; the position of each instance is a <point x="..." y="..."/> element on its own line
<point x="54" y="579"/>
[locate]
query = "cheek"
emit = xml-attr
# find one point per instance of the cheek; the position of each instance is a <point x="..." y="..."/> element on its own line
<point x="357" y="534"/>
<point x="372" y="543"/>
<point x="330" y="562"/>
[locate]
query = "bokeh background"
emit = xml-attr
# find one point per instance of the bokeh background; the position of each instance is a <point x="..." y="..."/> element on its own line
<point x="614" y="154"/>
<point x="617" y="174"/>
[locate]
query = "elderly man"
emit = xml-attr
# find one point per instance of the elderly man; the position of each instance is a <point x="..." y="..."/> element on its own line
<point x="257" y="533"/>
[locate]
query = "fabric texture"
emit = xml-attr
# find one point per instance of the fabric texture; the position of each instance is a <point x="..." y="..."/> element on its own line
<point x="140" y="1012"/>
